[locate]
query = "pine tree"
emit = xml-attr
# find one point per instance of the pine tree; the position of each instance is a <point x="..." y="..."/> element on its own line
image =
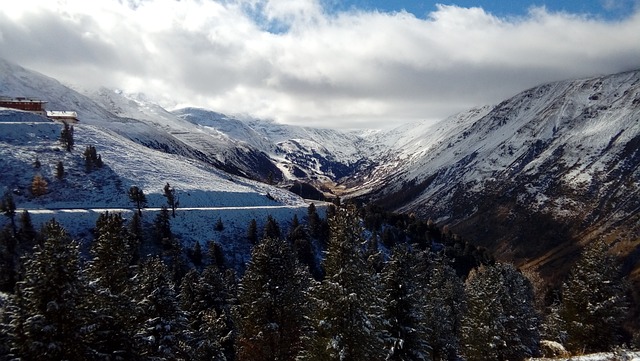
<point x="137" y="196"/>
<point x="594" y="303"/>
<point x="60" y="170"/>
<point x="216" y="256"/>
<point x="207" y="299"/>
<point x="38" y="186"/>
<point x="27" y="232"/>
<point x="36" y="163"/>
<point x="162" y="228"/>
<point x="404" y="310"/>
<point x="313" y="219"/>
<point x="172" y="198"/>
<point x="196" y="254"/>
<point x="345" y="322"/>
<point x="445" y="305"/>
<point x="66" y="137"/>
<point x="5" y="327"/>
<point x="296" y="230"/>
<point x="49" y="313"/>
<point x="271" y="304"/>
<point x="203" y="320"/>
<point x="8" y="208"/>
<point x="112" y="253"/>
<point x="501" y="322"/>
<point x="92" y="159"/>
<point x="219" y="227"/>
<point x="252" y="232"/>
<point x="8" y="255"/>
<point x="271" y="228"/>
<point x="162" y="327"/>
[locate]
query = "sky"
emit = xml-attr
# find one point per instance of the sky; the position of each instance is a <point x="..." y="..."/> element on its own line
<point x="325" y="63"/>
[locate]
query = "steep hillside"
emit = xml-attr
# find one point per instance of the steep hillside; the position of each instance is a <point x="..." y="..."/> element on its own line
<point x="139" y="120"/>
<point x="531" y="177"/>
<point x="25" y="137"/>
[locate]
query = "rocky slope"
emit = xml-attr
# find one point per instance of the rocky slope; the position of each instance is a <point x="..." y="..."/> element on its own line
<point x="531" y="178"/>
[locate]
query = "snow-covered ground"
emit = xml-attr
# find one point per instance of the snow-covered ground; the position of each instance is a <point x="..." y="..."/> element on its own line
<point x="205" y="194"/>
<point x="602" y="356"/>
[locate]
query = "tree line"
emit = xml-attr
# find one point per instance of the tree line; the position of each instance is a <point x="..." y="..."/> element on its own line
<point x="331" y="288"/>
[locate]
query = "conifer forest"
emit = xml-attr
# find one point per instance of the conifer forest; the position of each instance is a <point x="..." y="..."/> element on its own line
<point x="358" y="284"/>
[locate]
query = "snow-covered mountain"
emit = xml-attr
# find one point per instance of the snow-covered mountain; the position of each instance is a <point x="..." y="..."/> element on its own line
<point x="140" y="151"/>
<point x="529" y="177"/>
<point x="319" y="156"/>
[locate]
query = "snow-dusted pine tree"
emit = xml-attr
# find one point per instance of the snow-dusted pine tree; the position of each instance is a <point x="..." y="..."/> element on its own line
<point x="404" y="311"/>
<point x="108" y="271"/>
<point x="271" y="302"/>
<point x="445" y="305"/>
<point x="501" y="322"/>
<point x="345" y="322"/>
<point x="162" y="327"/>
<point x="594" y="303"/>
<point x="112" y="253"/>
<point x="199" y="299"/>
<point x="49" y="313"/>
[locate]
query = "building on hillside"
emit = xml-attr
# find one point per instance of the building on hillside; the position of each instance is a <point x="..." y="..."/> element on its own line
<point x="26" y="104"/>
<point x="63" y="116"/>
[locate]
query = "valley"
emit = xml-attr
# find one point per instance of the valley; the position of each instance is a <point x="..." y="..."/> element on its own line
<point x="533" y="178"/>
<point x="544" y="180"/>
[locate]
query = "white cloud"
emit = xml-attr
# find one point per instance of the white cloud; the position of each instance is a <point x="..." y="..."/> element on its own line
<point x="291" y="61"/>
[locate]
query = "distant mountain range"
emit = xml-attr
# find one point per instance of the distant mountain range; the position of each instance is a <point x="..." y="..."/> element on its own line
<point x="532" y="178"/>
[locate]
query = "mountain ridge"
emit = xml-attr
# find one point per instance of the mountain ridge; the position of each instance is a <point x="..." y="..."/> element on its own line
<point x="532" y="178"/>
<point x="563" y="156"/>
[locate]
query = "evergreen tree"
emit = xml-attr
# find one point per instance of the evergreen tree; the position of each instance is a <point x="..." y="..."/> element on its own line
<point x="404" y="310"/>
<point x="8" y="208"/>
<point x="49" y="313"/>
<point x="271" y="228"/>
<point x="203" y="320"/>
<point x="594" y="303"/>
<point x="59" y="170"/>
<point x="172" y="199"/>
<point x="445" y="305"/>
<point x="345" y="322"/>
<point x="162" y="228"/>
<point x="66" y="137"/>
<point x="252" y="232"/>
<point x="216" y="256"/>
<point x="207" y="299"/>
<point x="137" y="196"/>
<point x="5" y="327"/>
<point x="136" y="234"/>
<point x="92" y="159"/>
<point x="271" y="304"/>
<point x="314" y="221"/>
<point x="36" y="163"/>
<point x="38" y="186"/>
<point x="112" y="253"/>
<point x="162" y="327"/>
<point x="27" y="232"/>
<point x="196" y="254"/>
<point x="296" y="230"/>
<point x="219" y="225"/>
<point x="8" y="255"/>
<point x="501" y="321"/>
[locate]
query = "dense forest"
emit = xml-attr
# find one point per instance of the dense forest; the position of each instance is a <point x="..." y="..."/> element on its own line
<point x="358" y="284"/>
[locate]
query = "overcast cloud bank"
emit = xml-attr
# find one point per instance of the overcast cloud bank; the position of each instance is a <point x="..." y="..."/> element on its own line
<point x="296" y="62"/>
